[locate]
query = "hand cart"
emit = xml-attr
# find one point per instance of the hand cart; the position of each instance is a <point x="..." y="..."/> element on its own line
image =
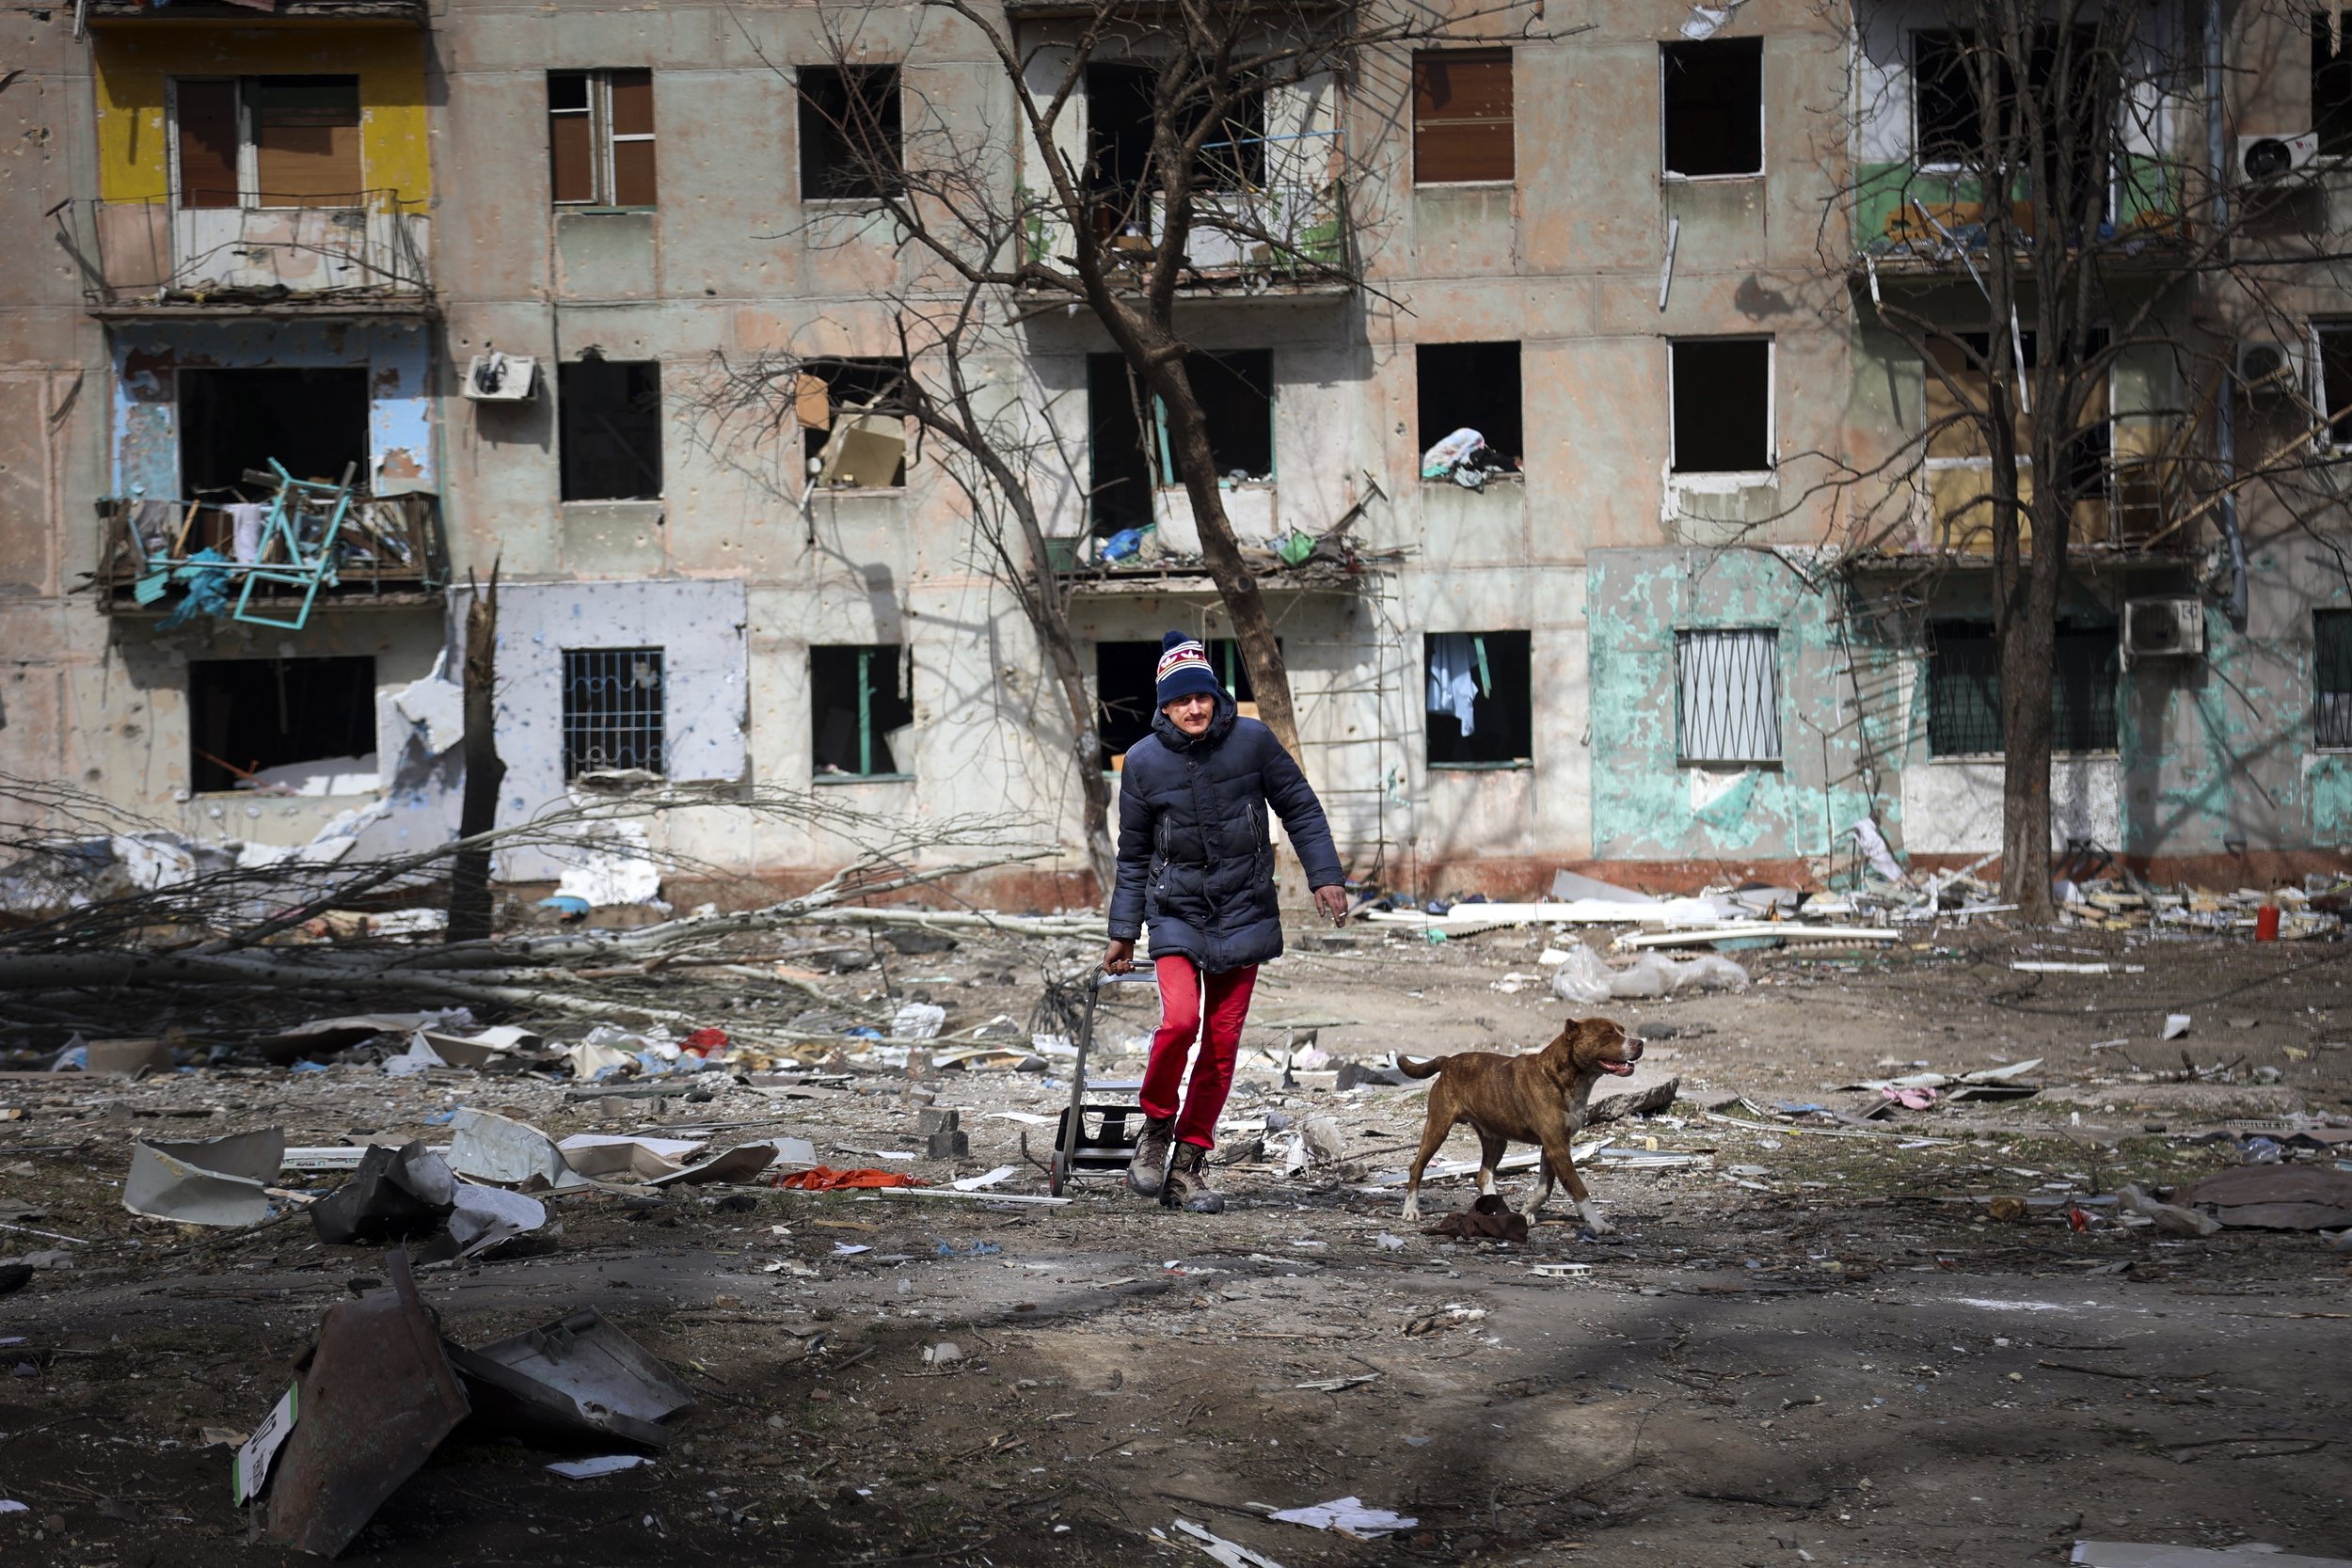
<point x="1104" y="1145"/>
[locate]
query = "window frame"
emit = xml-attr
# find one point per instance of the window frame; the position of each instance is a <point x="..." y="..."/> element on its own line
<point x="904" y="661"/>
<point x="198" y="699"/>
<point x="1695" y="479"/>
<point x="244" y="87"/>
<point x="569" y="723"/>
<point x="2320" y="694"/>
<point x="1483" y="55"/>
<point x="1425" y="438"/>
<point x="1524" y="757"/>
<point x="1688" y="637"/>
<point x="565" y="370"/>
<point x="1666" y="51"/>
<point x="2339" y="122"/>
<point x="604" y="175"/>
<point x="803" y="106"/>
<point x="2105" y="743"/>
<point x="2330" y="442"/>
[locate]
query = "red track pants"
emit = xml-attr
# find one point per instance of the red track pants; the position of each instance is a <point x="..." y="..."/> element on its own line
<point x="1184" y="990"/>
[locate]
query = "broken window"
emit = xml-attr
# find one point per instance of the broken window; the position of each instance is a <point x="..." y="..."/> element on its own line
<point x="267" y="141"/>
<point x="2332" y="679"/>
<point x="1471" y="386"/>
<point x="1727" y="695"/>
<point x="850" y="435"/>
<point x="1121" y="485"/>
<point x="1948" y="109"/>
<point x="609" y="427"/>
<point x="849" y="132"/>
<point x="1236" y="395"/>
<point x="600" y="138"/>
<point x="1722" y="393"/>
<point x="614" y="711"/>
<point x="1462" y="125"/>
<point x="2331" y="91"/>
<point x="2334" y="341"/>
<point x="1481" y="698"/>
<point x="313" y="422"/>
<point x="1965" y="690"/>
<point x="858" y="695"/>
<point x="247" y="716"/>
<point x="1121" y="114"/>
<point x="1712" y="95"/>
<point x="1126" y="683"/>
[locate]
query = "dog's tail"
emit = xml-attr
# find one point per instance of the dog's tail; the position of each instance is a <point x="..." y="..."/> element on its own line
<point x="1412" y="1068"/>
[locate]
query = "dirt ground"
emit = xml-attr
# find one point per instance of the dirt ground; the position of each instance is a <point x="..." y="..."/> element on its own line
<point x="1811" y="1345"/>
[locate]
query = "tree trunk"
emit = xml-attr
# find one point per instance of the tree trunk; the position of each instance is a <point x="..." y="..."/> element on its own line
<point x="1188" y="445"/>
<point x="1061" y="650"/>
<point x="470" y="871"/>
<point x="2026" y="620"/>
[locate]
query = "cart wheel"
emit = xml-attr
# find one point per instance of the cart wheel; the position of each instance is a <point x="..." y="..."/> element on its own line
<point x="1054" y="1176"/>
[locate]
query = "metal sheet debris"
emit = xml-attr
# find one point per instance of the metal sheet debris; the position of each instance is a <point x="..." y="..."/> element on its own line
<point x="212" y="1181"/>
<point x="578" y="1377"/>
<point x="376" y="1398"/>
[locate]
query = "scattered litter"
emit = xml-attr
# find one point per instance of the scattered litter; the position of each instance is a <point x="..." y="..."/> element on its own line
<point x="918" y="1021"/>
<point x="2168" y="1216"/>
<point x="1560" y="1270"/>
<point x="1487" y="1218"/>
<point x="603" y="1464"/>
<point x="944" y="1354"/>
<point x="1334" y="1385"/>
<point x="211" y="1182"/>
<point x="507" y="1153"/>
<point x="1444" y="1318"/>
<point x="2275" y="1197"/>
<point x="823" y="1179"/>
<point x="2176" y="1025"/>
<point x="974" y="1183"/>
<point x="1348" y="1517"/>
<point x="1229" y="1554"/>
<point x="395" y="1194"/>
<point x="248" y="1472"/>
<point x="2051" y="966"/>
<point x="579" y="1378"/>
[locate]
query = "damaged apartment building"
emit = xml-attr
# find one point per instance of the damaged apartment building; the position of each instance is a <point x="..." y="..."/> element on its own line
<point x="319" y="309"/>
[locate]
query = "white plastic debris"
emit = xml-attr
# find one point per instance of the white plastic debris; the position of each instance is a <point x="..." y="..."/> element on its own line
<point x="603" y="1464"/>
<point x="1348" y="1517"/>
<point x="918" y="1021"/>
<point x="2176" y="1025"/>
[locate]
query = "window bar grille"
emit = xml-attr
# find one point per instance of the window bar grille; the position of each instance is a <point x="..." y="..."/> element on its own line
<point x="612" y="710"/>
<point x="2331" y="678"/>
<point x="1727" y="707"/>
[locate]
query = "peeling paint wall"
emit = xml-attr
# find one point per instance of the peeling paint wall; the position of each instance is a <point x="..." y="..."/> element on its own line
<point x="402" y="414"/>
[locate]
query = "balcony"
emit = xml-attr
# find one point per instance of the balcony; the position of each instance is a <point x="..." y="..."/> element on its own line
<point x="1282" y="231"/>
<point x="403" y="12"/>
<point x="157" y="261"/>
<point x="2152" y="507"/>
<point x="162" y="557"/>
<point x="1925" y="222"/>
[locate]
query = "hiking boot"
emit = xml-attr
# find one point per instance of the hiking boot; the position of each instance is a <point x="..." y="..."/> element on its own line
<point x="1146" y="1171"/>
<point x="1187" y="1187"/>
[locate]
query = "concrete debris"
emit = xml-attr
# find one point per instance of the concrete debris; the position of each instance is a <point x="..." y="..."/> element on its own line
<point x="621" y="870"/>
<point x="212" y="1181"/>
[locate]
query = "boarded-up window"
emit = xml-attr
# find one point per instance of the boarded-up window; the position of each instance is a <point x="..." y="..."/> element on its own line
<point x="1462" y="127"/>
<point x="208" y="137"/>
<point x="600" y="138"/>
<point x="1727" y="695"/>
<point x="306" y="141"/>
<point x="2331" y="678"/>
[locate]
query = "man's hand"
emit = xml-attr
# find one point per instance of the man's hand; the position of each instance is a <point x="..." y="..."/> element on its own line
<point x="1118" y="957"/>
<point x="1333" y="902"/>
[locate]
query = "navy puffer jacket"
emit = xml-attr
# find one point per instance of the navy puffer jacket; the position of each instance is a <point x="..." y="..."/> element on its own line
<point x="1195" y="861"/>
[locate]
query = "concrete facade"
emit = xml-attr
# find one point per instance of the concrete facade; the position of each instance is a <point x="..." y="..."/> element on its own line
<point x="1600" y="552"/>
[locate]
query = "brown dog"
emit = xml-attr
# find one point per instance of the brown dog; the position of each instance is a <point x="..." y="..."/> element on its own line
<point x="1537" y="1099"/>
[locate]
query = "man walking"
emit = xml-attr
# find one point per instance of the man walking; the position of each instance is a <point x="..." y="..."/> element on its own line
<point x="1196" y="864"/>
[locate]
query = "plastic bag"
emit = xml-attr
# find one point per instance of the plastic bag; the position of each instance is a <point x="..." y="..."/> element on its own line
<point x="917" y="1020"/>
<point x="1582" y="979"/>
<point x="1656" y="974"/>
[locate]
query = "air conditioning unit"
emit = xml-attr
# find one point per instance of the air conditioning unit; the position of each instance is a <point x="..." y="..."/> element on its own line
<point x="501" y="378"/>
<point x="2163" y="628"/>
<point x="2261" y="158"/>
<point x="2266" y="365"/>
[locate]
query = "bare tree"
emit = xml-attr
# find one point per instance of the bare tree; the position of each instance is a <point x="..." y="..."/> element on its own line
<point x="954" y="380"/>
<point x="1127" y="232"/>
<point x="2061" y="207"/>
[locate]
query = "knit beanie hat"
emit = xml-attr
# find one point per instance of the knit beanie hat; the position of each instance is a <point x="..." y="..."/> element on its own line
<point x="1184" y="668"/>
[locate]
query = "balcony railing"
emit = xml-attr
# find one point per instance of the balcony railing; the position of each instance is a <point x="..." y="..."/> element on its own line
<point x="162" y="556"/>
<point x="1914" y="220"/>
<point x="2149" y="506"/>
<point x="248" y="11"/>
<point x="1285" y="230"/>
<point x="141" y="258"/>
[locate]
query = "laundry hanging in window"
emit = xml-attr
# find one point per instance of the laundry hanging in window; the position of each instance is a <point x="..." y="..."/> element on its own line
<point x="1456" y="661"/>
